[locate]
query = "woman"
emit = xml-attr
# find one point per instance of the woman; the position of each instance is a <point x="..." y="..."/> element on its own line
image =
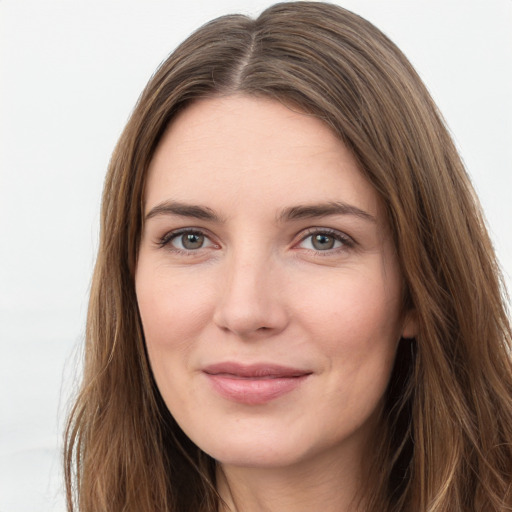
<point x="296" y="305"/>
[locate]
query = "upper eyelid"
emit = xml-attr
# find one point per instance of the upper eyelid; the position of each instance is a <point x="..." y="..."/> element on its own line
<point x="188" y="229"/>
<point x="319" y="230"/>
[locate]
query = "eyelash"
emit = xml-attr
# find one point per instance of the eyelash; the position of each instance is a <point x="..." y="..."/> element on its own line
<point x="346" y="241"/>
<point x="167" y="239"/>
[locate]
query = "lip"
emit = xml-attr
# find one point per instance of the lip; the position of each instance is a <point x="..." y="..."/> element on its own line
<point x="254" y="384"/>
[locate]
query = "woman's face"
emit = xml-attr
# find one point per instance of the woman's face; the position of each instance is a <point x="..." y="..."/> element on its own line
<point x="267" y="284"/>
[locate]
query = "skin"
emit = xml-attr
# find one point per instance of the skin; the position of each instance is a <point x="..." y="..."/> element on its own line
<point x="259" y="288"/>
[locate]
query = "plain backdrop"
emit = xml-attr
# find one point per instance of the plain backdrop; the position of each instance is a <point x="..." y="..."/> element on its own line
<point x="70" y="73"/>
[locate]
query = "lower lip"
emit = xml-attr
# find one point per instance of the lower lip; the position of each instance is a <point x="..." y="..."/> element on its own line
<point x="254" y="391"/>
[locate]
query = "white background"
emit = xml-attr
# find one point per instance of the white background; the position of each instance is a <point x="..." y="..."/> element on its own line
<point x="70" y="73"/>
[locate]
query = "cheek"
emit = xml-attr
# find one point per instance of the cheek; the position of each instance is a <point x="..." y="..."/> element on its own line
<point x="354" y="307"/>
<point x="355" y="323"/>
<point x="173" y="308"/>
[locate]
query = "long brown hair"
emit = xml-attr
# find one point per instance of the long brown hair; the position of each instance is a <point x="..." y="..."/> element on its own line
<point x="446" y="441"/>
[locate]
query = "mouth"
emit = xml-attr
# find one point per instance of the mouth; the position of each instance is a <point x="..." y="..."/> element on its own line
<point x="254" y="384"/>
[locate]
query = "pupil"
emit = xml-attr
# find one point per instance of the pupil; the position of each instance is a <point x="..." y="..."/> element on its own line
<point x="323" y="242"/>
<point x="192" y="241"/>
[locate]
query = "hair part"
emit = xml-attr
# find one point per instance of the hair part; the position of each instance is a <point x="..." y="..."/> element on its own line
<point x="447" y="420"/>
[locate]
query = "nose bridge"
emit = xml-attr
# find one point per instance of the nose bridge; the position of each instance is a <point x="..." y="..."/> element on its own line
<point x="250" y="298"/>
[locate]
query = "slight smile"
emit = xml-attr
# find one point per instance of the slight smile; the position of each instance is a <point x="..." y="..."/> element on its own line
<point x="254" y="384"/>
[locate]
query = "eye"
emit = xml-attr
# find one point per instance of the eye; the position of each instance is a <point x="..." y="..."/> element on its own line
<point x="189" y="241"/>
<point x="325" y="240"/>
<point x="186" y="240"/>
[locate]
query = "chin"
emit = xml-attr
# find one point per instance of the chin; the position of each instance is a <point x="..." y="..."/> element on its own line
<point x="274" y="447"/>
<point x="262" y="456"/>
<point x="251" y="445"/>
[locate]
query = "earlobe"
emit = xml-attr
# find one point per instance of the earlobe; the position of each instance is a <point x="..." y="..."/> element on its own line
<point x="410" y="326"/>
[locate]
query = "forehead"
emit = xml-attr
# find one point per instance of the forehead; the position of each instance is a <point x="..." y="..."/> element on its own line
<point x="255" y="150"/>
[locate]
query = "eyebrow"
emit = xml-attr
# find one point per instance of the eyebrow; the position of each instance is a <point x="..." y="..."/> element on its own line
<point x="183" y="210"/>
<point x="323" y="210"/>
<point x="288" y="214"/>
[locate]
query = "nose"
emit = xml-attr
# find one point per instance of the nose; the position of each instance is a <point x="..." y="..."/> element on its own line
<point x="251" y="302"/>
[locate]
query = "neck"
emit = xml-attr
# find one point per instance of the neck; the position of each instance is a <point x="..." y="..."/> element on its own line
<point x="290" y="489"/>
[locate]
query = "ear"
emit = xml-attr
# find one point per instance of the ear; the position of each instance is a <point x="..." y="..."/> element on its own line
<point x="410" y="325"/>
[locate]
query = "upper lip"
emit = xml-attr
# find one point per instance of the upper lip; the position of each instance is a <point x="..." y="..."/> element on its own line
<point x="254" y="371"/>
